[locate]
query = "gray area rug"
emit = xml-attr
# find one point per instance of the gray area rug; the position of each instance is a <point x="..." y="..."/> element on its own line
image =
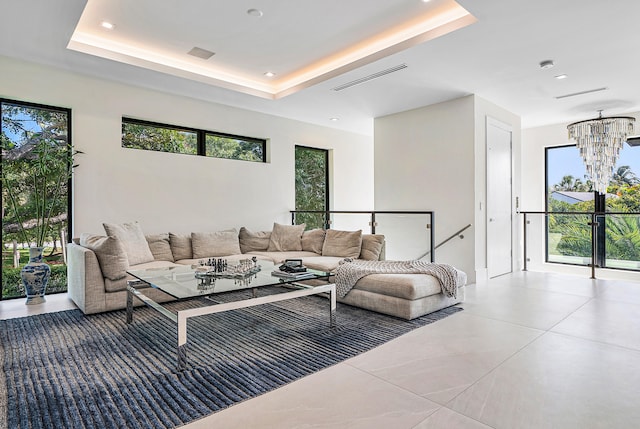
<point x="67" y="370"/>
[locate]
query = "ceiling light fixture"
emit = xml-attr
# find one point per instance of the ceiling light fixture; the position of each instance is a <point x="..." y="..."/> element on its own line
<point x="255" y="12"/>
<point x="599" y="141"/>
<point x="108" y="25"/>
<point x="269" y="74"/>
<point x="334" y="119"/>
<point x="561" y="76"/>
<point x="546" y="64"/>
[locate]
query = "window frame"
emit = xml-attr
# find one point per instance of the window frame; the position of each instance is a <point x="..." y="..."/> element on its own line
<point x="327" y="182"/>
<point x="201" y="136"/>
<point x="68" y="112"/>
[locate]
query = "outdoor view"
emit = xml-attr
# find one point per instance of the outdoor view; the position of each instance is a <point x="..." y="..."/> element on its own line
<point x="35" y="170"/>
<point x="312" y="189"/>
<point x="569" y="190"/>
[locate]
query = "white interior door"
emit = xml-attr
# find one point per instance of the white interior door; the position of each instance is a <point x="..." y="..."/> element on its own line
<point x="499" y="192"/>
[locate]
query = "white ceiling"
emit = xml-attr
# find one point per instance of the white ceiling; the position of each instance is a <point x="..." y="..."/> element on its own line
<point x="594" y="43"/>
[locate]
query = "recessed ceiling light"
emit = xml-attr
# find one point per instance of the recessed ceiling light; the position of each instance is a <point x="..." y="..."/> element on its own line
<point x="426" y="1"/>
<point x="108" y="25"/>
<point x="255" y="12"/>
<point x="334" y="119"/>
<point x="561" y="76"/>
<point x="547" y="64"/>
<point x="269" y="74"/>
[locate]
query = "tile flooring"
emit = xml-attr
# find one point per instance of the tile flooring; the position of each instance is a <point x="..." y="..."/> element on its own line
<point x="531" y="350"/>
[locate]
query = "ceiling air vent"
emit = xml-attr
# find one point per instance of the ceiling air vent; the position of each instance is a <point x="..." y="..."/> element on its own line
<point x="370" y="77"/>
<point x="581" y="93"/>
<point x="201" y="53"/>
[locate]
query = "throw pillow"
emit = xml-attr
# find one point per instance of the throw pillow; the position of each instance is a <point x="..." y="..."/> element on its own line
<point x="313" y="240"/>
<point x="253" y="241"/>
<point x="286" y="238"/>
<point x="371" y="247"/>
<point x="160" y="247"/>
<point x="133" y="241"/>
<point x="110" y="253"/>
<point x="209" y="244"/>
<point x="180" y="246"/>
<point x="345" y="244"/>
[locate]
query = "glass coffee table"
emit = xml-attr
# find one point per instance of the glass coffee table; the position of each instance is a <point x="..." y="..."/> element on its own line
<point x="188" y="282"/>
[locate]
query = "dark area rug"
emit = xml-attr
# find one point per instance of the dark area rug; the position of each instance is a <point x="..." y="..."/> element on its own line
<point x="68" y="370"/>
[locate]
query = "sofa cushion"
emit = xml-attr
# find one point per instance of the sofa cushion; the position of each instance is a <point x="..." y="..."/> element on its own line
<point x="215" y="244"/>
<point x="279" y="257"/>
<point x="345" y="244"/>
<point x="132" y="238"/>
<point x="405" y="286"/>
<point x="180" y="246"/>
<point x="121" y="284"/>
<point x="110" y="253"/>
<point x="253" y="241"/>
<point x="160" y="247"/>
<point x="371" y="247"/>
<point x="313" y="240"/>
<point x="286" y="238"/>
<point x="322" y="263"/>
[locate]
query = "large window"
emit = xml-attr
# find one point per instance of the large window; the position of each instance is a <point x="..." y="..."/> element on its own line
<point x="146" y="135"/>
<point x="312" y="185"/>
<point x="36" y="155"/>
<point x="569" y="237"/>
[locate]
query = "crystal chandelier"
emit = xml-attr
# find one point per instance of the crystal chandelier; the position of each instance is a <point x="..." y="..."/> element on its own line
<point x="599" y="141"/>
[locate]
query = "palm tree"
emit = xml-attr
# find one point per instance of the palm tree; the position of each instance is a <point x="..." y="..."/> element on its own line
<point x="624" y="176"/>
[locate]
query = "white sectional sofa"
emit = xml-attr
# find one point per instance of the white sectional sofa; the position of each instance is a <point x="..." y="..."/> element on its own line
<point x="97" y="265"/>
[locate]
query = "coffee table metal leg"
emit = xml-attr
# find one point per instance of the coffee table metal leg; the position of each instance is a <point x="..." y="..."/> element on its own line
<point x="129" y="306"/>
<point x="332" y="308"/>
<point x="182" y="342"/>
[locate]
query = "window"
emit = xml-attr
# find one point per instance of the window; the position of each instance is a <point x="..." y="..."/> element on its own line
<point x="137" y="134"/>
<point x="312" y="185"/>
<point x="569" y="237"/>
<point x="36" y="155"/>
<point x="161" y="138"/>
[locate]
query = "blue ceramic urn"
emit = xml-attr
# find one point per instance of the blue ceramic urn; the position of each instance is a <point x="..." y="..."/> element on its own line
<point x="35" y="276"/>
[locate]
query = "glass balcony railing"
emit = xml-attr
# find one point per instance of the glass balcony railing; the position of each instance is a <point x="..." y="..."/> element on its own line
<point x="408" y="234"/>
<point x="595" y="239"/>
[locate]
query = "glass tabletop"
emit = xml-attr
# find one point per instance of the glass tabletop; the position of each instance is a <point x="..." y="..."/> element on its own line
<point x="188" y="281"/>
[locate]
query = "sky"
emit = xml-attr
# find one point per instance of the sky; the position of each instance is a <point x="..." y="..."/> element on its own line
<point x="567" y="161"/>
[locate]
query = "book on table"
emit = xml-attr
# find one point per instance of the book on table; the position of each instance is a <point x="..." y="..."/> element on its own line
<point x="293" y="276"/>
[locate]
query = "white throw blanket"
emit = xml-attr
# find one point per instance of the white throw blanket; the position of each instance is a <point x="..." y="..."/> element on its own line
<point x="349" y="272"/>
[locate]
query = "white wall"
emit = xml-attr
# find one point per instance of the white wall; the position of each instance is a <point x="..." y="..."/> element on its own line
<point x="183" y="193"/>
<point x="434" y="158"/>
<point x="424" y="160"/>
<point x="534" y="142"/>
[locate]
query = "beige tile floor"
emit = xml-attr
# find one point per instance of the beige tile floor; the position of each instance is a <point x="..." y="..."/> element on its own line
<point x="531" y="350"/>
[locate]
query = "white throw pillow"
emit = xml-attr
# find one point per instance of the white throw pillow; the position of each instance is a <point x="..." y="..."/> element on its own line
<point x="132" y="238"/>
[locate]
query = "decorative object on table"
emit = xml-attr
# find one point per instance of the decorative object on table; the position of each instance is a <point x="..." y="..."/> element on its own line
<point x="35" y="276"/>
<point x="599" y="141"/>
<point x="210" y="270"/>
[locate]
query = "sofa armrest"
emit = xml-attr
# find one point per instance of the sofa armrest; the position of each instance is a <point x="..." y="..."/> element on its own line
<point x="85" y="281"/>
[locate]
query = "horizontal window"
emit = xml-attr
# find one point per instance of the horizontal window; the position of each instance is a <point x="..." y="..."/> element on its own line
<point x="137" y="134"/>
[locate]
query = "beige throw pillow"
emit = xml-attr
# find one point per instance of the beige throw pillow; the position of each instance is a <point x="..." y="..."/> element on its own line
<point x="371" y="247"/>
<point x="180" y="246"/>
<point x="286" y="238"/>
<point x="132" y="238"/>
<point x="110" y="253"/>
<point x="345" y="244"/>
<point x="253" y="241"/>
<point x="220" y="243"/>
<point x="160" y="247"/>
<point x="313" y="240"/>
